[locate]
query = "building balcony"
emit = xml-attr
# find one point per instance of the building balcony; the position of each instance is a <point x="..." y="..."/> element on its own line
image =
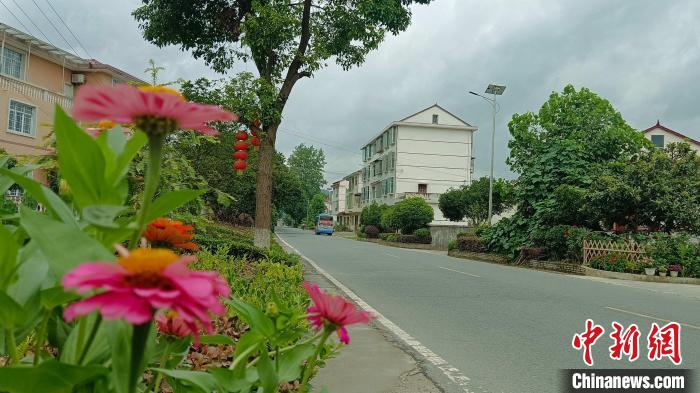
<point x="430" y="197"/>
<point x="34" y="92"/>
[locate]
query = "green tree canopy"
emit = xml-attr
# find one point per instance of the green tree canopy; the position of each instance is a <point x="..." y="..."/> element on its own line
<point x="286" y="41"/>
<point x="658" y="189"/>
<point x="572" y="134"/>
<point x="307" y="162"/>
<point x="411" y="214"/>
<point x="372" y="215"/>
<point x="472" y="201"/>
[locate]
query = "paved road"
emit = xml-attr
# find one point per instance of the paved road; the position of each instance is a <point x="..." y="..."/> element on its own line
<point x="508" y="329"/>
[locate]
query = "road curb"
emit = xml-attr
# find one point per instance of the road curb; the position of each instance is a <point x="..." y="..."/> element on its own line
<point x="421" y="355"/>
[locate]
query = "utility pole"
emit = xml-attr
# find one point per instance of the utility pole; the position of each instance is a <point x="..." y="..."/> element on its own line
<point x="494" y="90"/>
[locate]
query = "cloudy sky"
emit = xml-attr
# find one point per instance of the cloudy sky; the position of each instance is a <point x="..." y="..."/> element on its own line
<point x="642" y="55"/>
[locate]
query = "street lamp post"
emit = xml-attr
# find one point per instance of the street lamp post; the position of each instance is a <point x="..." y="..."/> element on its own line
<point x="495" y="90"/>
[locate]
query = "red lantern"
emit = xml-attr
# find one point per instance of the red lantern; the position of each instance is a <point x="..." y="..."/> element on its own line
<point x="241" y="135"/>
<point x="255" y="141"/>
<point x="239" y="166"/>
<point x="240" y="155"/>
<point x="240" y="145"/>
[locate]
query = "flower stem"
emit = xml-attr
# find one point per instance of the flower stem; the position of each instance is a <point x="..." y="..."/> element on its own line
<point x="90" y="339"/>
<point x="288" y="348"/>
<point x="311" y="363"/>
<point x="39" y="343"/>
<point x="155" y="146"/>
<point x="138" y="347"/>
<point x="162" y="364"/>
<point x="11" y="345"/>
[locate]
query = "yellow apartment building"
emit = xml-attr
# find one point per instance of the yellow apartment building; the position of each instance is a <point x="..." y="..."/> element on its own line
<point x="35" y="77"/>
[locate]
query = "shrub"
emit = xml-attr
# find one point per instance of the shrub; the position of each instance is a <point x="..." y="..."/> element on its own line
<point x="507" y="236"/>
<point x="372" y="215"/>
<point x="614" y="262"/>
<point x="452" y="245"/>
<point x="471" y="243"/>
<point x="392" y="237"/>
<point x="668" y="250"/>
<point x="341" y="228"/>
<point x="257" y="282"/>
<point x="563" y="242"/>
<point x="451" y="204"/>
<point x="371" y="231"/>
<point x="411" y="214"/>
<point x="388" y="223"/>
<point x="422" y="232"/>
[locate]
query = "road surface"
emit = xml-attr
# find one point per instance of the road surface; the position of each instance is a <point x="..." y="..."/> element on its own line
<point x="507" y="329"/>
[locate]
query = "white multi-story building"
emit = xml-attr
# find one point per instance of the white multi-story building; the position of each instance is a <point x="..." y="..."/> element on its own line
<point x="338" y="190"/>
<point x="422" y="155"/>
<point x="347" y="212"/>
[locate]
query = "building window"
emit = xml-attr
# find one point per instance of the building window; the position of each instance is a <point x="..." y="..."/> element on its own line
<point x="435" y="119"/>
<point x="22" y="118"/>
<point x="12" y="63"/>
<point x="422" y="188"/>
<point x="658" y="140"/>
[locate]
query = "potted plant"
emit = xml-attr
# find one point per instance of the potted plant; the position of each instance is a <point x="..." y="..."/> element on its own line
<point x="662" y="270"/>
<point x="674" y="269"/>
<point x="649" y="268"/>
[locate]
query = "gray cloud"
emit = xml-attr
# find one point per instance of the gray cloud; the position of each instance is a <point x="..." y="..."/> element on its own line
<point x="641" y="55"/>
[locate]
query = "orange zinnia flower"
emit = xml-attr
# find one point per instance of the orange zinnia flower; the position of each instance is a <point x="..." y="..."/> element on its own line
<point x="164" y="232"/>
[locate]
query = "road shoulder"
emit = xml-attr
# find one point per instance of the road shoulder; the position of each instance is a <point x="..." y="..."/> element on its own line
<point x="372" y="363"/>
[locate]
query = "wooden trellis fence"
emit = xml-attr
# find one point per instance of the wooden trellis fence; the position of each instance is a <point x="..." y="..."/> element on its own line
<point x="598" y="248"/>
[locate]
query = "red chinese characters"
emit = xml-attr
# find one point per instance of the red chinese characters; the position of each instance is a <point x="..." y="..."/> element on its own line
<point x="662" y="342"/>
<point x="626" y="342"/>
<point x="587" y="339"/>
<point x="665" y="342"/>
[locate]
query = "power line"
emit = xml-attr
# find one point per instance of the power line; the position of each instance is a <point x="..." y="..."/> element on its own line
<point x="319" y="141"/>
<point x="32" y="22"/>
<point x="54" y="27"/>
<point x="69" y="29"/>
<point x="15" y="16"/>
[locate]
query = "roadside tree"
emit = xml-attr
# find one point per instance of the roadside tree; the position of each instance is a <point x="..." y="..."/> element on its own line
<point x="286" y="41"/>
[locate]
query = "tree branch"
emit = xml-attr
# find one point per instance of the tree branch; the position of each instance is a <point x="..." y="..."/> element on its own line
<point x="293" y="74"/>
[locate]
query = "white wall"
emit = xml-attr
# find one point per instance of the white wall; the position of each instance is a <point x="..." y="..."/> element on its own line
<point x="670" y="138"/>
<point x="438" y="157"/>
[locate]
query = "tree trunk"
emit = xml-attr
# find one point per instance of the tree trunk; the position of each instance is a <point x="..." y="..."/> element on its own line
<point x="263" y="192"/>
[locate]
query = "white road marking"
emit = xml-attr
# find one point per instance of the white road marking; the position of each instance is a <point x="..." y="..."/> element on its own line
<point x="650" y="317"/>
<point x="392" y="255"/>
<point x="452" y="373"/>
<point x="457" y="271"/>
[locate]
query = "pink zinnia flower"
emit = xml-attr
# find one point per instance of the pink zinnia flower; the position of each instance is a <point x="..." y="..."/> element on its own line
<point x="143" y="281"/>
<point x="172" y="324"/>
<point x="155" y="107"/>
<point x="333" y="311"/>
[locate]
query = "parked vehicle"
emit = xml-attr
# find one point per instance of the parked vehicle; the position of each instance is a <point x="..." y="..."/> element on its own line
<point x="324" y="224"/>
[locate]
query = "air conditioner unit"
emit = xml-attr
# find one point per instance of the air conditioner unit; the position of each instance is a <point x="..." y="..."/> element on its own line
<point x="78" y="79"/>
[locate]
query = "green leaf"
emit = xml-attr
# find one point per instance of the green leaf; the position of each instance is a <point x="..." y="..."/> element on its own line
<point x="48" y="377"/>
<point x="82" y="163"/>
<point x="267" y="374"/>
<point x="98" y="351"/>
<point x="201" y="381"/>
<point x="8" y="257"/>
<point x="103" y="216"/>
<point x="290" y="363"/>
<point x="63" y="245"/>
<point x="227" y="380"/>
<point x="32" y="273"/>
<point x="6" y="183"/>
<point x="217" y="339"/>
<point x="247" y="345"/>
<point x="256" y="319"/>
<point x="171" y="201"/>
<point x="137" y="141"/>
<point x="11" y="313"/>
<point x="43" y="195"/>
<point x="119" y="336"/>
<point x="56" y="296"/>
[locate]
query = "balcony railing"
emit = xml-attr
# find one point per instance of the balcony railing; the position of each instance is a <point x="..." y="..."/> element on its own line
<point x="428" y="196"/>
<point x="34" y="92"/>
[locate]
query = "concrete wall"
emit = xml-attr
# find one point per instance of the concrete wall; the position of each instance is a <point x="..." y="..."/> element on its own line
<point x="442" y="234"/>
